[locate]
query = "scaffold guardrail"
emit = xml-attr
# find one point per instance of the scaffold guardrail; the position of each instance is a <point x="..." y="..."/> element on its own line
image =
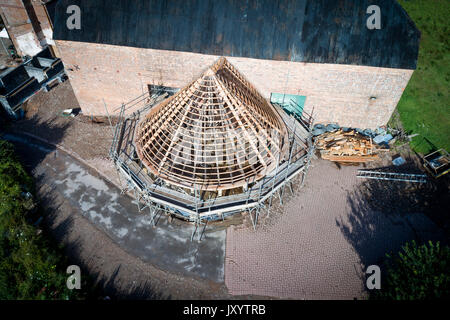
<point x="156" y="196"/>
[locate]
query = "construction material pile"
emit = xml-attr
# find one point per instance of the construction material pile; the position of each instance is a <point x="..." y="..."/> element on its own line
<point x="349" y="146"/>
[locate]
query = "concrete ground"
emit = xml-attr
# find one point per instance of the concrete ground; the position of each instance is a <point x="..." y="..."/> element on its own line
<point x="320" y="243"/>
<point x="84" y="139"/>
<point x="167" y="246"/>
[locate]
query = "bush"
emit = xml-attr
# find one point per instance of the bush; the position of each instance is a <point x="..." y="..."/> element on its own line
<point x="417" y="273"/>
<point x="31" y="267"/>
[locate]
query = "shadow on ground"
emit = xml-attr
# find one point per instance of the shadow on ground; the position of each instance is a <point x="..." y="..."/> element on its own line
<point x="98" y="286"/>
<point x="25" y="144"/>
<point x="386" y="214"/>
<point x="69" y="191"/>
<point x="32" y="152"/>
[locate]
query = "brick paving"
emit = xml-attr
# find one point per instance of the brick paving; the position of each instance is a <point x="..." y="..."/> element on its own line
<point x="319" y="242"/>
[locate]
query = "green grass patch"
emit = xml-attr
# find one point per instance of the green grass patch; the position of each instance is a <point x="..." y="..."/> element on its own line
<point x="424" y="107"/>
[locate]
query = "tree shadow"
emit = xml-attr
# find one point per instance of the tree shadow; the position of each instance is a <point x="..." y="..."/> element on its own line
<point x="386" y="214"/>
<point x="96" y="284"/>
<point x="130" y="291"/>
<point x="44" y="123"/>
<point x="32" y="149"/>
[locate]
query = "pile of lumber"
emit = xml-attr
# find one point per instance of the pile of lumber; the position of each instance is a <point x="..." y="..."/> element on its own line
<point x="348" y="146"/>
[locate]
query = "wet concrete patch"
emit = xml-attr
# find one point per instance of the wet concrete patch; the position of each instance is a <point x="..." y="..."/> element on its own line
<point x="166" y="246"/>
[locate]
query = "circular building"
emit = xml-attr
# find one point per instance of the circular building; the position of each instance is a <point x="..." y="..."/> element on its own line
<point x="217" y="133"/>
<point x="214" y="149"/>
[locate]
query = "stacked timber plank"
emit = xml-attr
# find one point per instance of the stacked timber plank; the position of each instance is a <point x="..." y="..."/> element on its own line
<point x="351" y="146"/>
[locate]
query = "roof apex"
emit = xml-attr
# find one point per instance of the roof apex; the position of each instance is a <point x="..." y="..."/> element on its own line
<point x="216" y="133"/>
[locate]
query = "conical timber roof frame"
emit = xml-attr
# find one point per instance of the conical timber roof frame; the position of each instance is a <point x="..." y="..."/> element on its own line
<point x="216" y="133"/>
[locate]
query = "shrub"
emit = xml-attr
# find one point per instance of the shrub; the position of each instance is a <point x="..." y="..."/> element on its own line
<point x="417" y="273"/>
<point x="31" y="266"/>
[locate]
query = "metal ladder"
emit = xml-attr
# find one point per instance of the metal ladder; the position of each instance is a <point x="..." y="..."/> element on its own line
<point x="393" y="176"/>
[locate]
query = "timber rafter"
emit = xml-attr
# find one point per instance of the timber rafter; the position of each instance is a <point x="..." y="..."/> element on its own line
<point x="216" y="133"/>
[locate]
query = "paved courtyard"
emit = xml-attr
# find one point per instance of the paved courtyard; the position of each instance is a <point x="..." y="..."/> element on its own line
<point x="318" y="246"/>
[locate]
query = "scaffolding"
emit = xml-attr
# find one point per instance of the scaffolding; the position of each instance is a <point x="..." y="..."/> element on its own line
<point x="159" y="196"/>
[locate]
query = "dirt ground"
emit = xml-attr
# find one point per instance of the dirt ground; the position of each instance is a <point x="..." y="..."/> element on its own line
<point x="120" y="274"/>
<point x="86" y="140"/>
<point x="90" y="141"/>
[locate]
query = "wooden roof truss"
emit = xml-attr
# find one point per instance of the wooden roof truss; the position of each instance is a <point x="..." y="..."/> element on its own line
<point x="216" y="133"/>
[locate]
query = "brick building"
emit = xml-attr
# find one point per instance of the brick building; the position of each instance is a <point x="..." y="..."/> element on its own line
<point x="28" y="25"/>
<point x="319" y="51"/>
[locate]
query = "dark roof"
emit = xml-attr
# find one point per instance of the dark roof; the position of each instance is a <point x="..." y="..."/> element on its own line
<point x="51" y="8"/>
<point x="321" y="31"/>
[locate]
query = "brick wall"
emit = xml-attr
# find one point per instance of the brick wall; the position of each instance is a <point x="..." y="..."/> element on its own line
<point x="337" y="93"/>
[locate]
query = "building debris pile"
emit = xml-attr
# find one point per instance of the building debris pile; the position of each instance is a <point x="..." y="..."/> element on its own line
<point x="346" y="146"/>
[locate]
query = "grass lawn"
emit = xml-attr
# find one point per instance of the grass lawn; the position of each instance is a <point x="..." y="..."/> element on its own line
<point x="424" y="107"/>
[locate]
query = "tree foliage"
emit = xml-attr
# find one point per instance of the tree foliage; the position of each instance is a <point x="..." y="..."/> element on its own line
<point x="31" y="267"/>
<point x="417" y="272"/>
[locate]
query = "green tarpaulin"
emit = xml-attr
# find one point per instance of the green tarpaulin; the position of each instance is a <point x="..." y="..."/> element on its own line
<point x="291" y="103"/>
